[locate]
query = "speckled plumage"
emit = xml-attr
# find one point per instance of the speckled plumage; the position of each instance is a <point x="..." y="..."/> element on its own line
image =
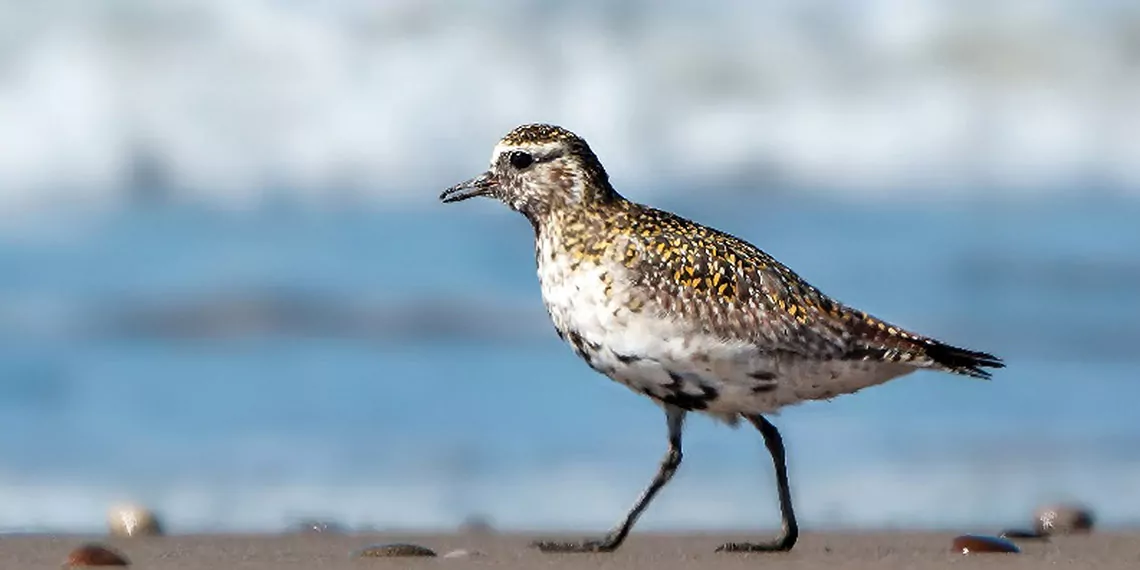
<point x="692" y="317"/>
<point x="743" y="333"/>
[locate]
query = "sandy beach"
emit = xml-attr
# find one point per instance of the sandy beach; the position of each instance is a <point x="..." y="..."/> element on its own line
<point x="880" y="550"/>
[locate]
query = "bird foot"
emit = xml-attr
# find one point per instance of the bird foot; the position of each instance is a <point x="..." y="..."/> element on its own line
<point x="777" y="546"/>
<point x="586" y="545"/>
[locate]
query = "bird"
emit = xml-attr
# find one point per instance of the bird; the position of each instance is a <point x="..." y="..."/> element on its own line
<point x="694" y="318"/>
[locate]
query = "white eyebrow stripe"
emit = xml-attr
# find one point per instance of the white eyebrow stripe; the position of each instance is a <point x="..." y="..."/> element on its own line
<point x="536" y="149"/>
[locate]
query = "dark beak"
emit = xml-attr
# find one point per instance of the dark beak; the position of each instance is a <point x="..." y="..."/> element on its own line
<point x="481" y="185"/>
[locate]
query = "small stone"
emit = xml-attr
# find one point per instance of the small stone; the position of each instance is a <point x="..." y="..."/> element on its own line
<point x="394" y="551"/>
<point x="1023" y="534"/>
<point x="1062" y="519"/>
<point x="476" y="524"/>
<point x="463" y="553"/>
<point x="974" y="543"/>
<point x="319" y="527"/>
<point x="128" y="519"/>
<point x="95" y="555"/>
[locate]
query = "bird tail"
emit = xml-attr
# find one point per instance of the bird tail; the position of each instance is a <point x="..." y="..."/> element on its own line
<point x="960" y="360"/>
<point x="884" y="341"/>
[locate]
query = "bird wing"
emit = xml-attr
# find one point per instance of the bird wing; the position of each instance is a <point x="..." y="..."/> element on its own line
<point x="740" y="293"/>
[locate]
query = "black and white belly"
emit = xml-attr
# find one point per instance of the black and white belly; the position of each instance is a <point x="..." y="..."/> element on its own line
<point x="679" y="363"/>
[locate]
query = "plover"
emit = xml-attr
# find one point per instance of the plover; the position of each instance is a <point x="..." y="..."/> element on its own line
<point x="694" y="318"/>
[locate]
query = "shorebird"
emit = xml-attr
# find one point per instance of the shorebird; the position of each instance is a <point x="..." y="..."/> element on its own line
<point x="694" y="318"/>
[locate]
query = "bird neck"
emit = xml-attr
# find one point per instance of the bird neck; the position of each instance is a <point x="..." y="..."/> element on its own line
<point x="592" y="216"/>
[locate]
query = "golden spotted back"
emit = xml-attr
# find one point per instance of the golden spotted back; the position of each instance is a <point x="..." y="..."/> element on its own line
<point x="739" y="292"/>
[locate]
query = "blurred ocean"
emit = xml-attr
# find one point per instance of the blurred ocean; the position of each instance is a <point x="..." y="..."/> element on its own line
<point x="397" y="369"/>
<point x="227" y="289"/>
<point x="233" y="102"/>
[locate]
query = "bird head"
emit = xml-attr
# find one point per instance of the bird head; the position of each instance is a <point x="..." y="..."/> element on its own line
<point x="538" y="169"/>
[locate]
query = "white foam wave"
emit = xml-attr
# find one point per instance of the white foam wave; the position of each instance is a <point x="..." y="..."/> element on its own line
<point x="231" y="102"/>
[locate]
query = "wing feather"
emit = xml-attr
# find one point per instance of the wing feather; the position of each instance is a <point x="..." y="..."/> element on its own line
<point x="742" y="294"/>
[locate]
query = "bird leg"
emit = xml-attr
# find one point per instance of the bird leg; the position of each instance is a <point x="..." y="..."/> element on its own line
<point x="787" y="538"/>
<point x="675" y="418"/>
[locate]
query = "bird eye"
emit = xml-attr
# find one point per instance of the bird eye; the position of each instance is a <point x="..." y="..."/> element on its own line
<point x="521" y="160"/>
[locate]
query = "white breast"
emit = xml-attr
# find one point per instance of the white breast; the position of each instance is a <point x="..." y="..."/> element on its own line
<point x="658" y="355"/>
<point x="649" y="352"/>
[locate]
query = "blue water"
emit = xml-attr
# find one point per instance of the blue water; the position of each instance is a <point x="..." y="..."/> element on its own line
<point x="390" y="368"/>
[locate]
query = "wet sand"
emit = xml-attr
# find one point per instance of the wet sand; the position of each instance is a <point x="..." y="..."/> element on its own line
<point x="878" y="550"/>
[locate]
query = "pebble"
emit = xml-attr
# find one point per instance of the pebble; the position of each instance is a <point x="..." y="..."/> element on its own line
<point x="1019" y="534"/>
<point x="128" y="519"/>
<point x="476" y="524"/>
<point x="95" y="555"/>
<point x="319" y="527"/>
<point x="974" y="543"/>
<point x="394" y="551"/>
<point x="463" y="553"/>
<point x="1062" y="519"/>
